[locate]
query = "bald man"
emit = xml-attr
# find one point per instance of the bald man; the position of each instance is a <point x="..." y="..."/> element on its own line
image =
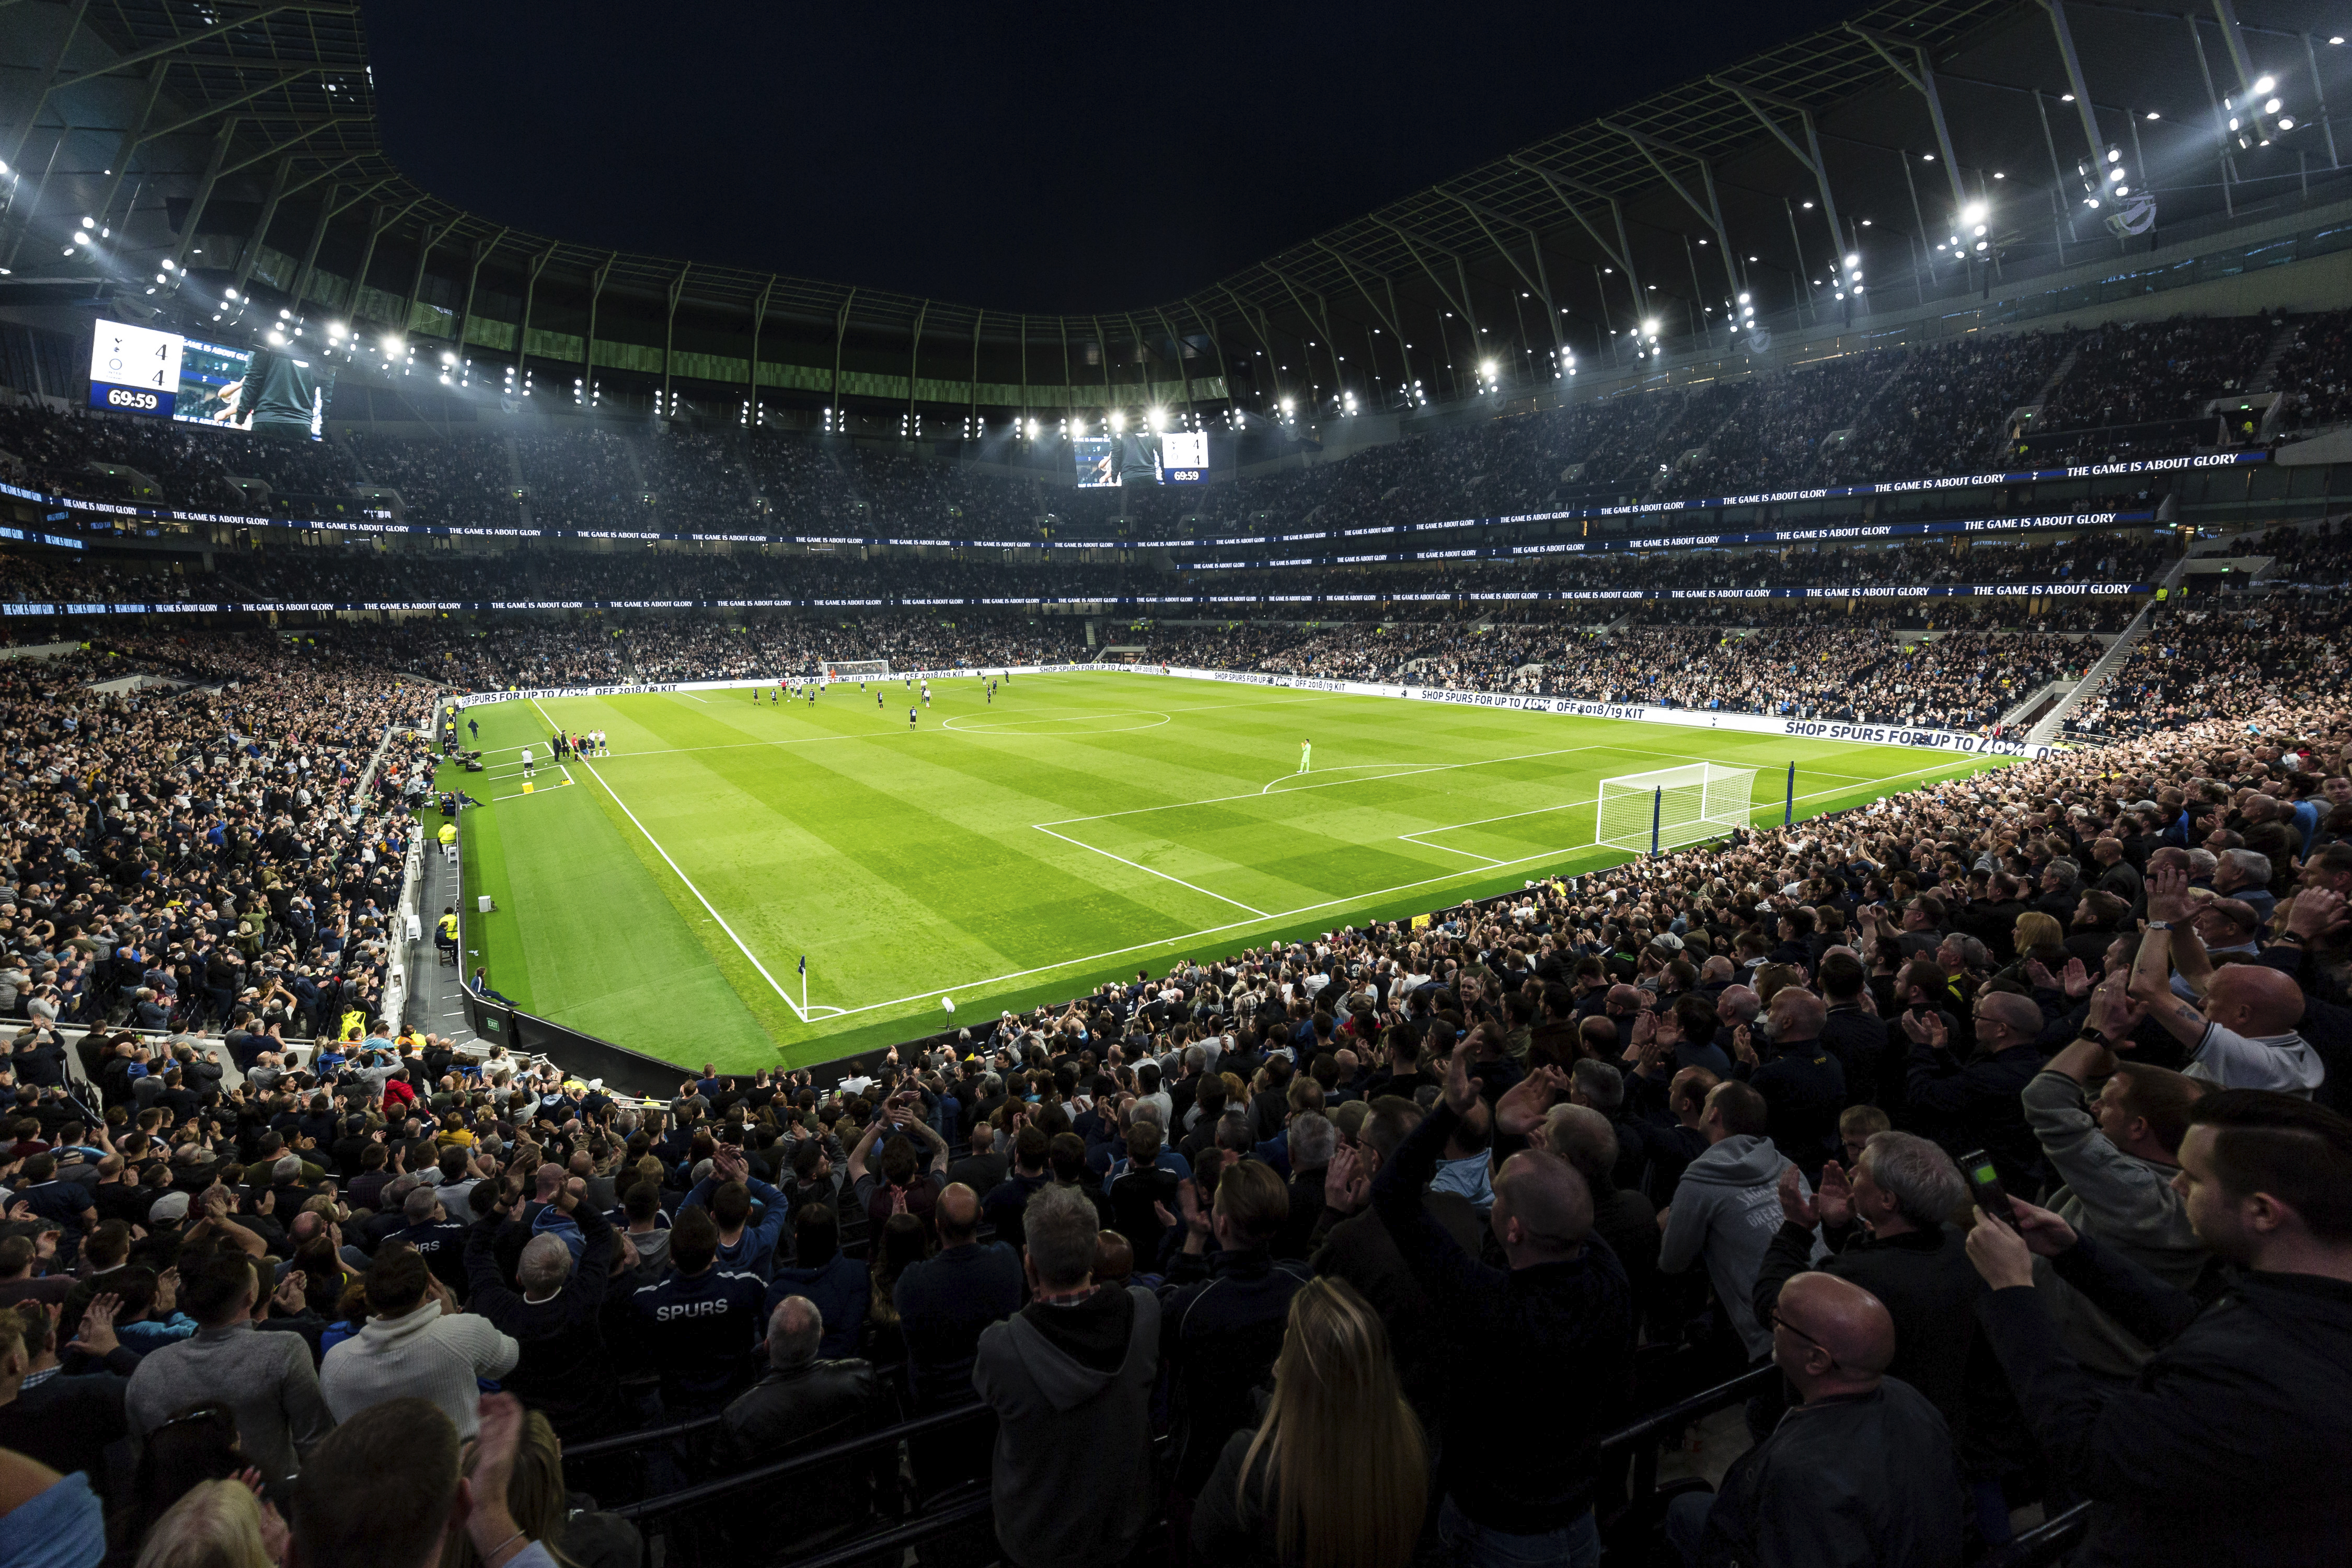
<point x="1859" y="1472"/>
<point x="2242" y="1035"/>
<point x="946" y="1301"/>
<point x="1527" y="1337"/>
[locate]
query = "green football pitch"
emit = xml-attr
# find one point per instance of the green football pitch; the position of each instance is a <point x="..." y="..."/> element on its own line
<point x="1081" y="826"/>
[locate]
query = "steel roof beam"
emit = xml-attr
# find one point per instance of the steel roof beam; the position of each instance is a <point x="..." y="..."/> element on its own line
<point x="1923" y="82"/>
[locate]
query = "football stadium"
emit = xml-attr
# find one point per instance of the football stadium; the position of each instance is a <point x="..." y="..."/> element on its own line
<point x="796" y="790"/>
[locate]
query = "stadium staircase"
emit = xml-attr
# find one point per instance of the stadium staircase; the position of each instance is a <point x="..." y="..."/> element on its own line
<point x="514" y="476"/>
<point x="2048" y="727"/>
<point x="2281" y="341"/>
<point x="2040" y="399"/>
<point x="2024" y="711"/>
<point x="637" y="469"/>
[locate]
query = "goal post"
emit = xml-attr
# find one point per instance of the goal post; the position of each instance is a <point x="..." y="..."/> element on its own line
<point x="1668" y="808"/>
<point x="858" y="669"/>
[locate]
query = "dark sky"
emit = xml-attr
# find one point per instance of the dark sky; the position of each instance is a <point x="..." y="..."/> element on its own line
<point x="1040" y="157"/>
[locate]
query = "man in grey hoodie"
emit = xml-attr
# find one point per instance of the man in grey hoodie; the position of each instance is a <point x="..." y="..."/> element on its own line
<point x="1070" y="1379"/>
<point x="1728" y="1208"/>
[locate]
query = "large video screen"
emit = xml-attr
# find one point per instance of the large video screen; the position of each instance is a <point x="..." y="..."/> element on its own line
<point x="1098" y="458"/>
<point x="138" y="370"/>
<point x="1133" y="458"/>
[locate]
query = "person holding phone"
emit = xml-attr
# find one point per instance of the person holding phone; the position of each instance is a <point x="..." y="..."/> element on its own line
<point x="2229" y="1444"/>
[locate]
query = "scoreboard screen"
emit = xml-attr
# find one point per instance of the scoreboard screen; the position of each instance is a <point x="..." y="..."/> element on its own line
<point x="1184" y="458"/>
<point x="135" y="370"/>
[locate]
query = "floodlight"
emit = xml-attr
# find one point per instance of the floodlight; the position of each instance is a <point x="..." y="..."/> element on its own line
<point x="2287" y="122"/>
<point x="1850" y="261"/>
<point x="169" y="264"/>
<point x="1117" y="420"/>
<point x="2271" y="106"/>
<point x="1486" y="369"/>
<point x="1743" y="299"/>
<point x="1650" y="326"/>
<point x="228" y="293"/>
<point x="1973" y="213"/>
<point x="1158" y="418"/>
<point x="2152" y="114"/>
<point x="276" y="337"/>
<point x="2265" y="83"/>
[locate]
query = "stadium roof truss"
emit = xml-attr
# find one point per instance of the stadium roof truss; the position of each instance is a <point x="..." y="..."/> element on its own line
<point x="1867" y="139"/>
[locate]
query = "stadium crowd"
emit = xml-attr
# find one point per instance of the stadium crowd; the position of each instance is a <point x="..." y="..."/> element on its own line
<point x="1334" y="1252"/>
<point x="1922" y="411"/>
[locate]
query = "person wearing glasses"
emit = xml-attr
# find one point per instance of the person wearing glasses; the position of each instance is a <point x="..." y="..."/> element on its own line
<point x="1861" y="1471"/>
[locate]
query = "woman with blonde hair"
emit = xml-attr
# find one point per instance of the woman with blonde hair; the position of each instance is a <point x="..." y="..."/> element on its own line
<point x="1336" y="1475"/>
<point x="216" y="1524"/>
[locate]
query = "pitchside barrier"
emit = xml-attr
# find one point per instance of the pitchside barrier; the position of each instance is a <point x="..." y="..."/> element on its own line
<point x="1928" y="740"/>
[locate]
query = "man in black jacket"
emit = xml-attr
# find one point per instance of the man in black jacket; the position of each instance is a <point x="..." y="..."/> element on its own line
<point x="556" y="1316"/>
<point x="1859" y="1472"/>
<point x="1223" y="1314"/>
<point x="1975" y="1104"/>
<point x="2230" y="1444"/>
<point x="1554" y="1332"/>
<point x="1889" y="1232"/>
<point x="799" y="1404"/>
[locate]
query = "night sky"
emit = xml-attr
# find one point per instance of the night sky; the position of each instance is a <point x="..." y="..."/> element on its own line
<point x="1042" y="158"/>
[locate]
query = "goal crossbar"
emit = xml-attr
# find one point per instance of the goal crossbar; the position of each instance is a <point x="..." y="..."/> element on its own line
<point x="1670" y="808"/>
<point x="859" y="669"/>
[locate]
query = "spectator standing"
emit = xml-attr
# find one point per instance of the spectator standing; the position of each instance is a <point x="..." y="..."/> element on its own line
<point x="1859" y="1472"/>
<point x="801" y="1403"/>
<point x="1070" y="1379"/>
<point x="1543" y="1333"/>
<point x="2229" y="1444"/>
<point x="266" y="1380"/>
<point x="949" y="1300"/>
<point x="699" y="1325"/>
<point x="1967" y="1105"/>
<point x="1725" y="1208"/>
<point x="556" y="1317"/>
<point x="416" y="1343"/>
<point x="2117" y="1160"/>
<point x="1222" y="1313"/>
<point x="840" y="1285"/>
<point x="1336" y="1472"/>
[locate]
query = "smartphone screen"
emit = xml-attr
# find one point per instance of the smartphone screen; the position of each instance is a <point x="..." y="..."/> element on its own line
<point x="1984" y="1186"/>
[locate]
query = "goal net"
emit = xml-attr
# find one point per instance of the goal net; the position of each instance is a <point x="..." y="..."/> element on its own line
<point x="1672" y="807"/>
<point x="859" y="669"/>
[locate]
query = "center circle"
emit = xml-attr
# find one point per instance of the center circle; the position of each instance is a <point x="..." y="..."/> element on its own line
<point x="1064" y="724"/>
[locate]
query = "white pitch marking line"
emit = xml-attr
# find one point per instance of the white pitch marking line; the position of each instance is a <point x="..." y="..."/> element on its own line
<point x="689" y="883"/>
<point x="1149" y="872"/>
<point x="1446" y="849"/>
<point x="1167" y="941"/>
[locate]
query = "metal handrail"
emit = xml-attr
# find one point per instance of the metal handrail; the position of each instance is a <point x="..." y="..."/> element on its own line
<point x="2040" y="1546"/>
<point x="726" y="1486"/>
